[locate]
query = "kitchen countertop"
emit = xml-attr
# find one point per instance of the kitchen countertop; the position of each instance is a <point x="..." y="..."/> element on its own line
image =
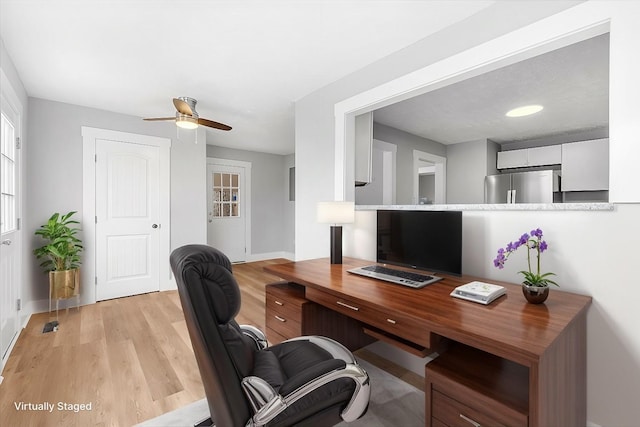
<point x="495" y="207"/>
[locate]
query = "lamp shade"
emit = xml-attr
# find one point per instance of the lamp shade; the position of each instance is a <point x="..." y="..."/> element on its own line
<point x="336" y="212"/>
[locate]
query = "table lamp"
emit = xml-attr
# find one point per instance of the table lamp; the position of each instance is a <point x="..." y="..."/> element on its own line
<point x="336" y="213"/>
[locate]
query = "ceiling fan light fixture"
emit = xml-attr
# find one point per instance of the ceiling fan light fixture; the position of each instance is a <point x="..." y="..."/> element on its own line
<point x="186" y="122"/>
<point x="525" y="110"/>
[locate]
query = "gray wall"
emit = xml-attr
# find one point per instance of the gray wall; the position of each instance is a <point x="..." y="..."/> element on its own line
<point x="585" y="135"/>
<point x="426" y="187"/>
<point x="54" y="173"/>
<point x="289" y="214"/>
<point x="467" y="164"/>
<point x="269" y="198"/>
<point x="406" y="143"/>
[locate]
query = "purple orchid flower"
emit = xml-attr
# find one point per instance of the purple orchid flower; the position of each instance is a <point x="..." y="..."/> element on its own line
<point x="532" y="241"/>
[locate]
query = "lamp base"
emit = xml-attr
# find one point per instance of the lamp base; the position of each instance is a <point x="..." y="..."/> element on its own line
<point x="336" y="244"/>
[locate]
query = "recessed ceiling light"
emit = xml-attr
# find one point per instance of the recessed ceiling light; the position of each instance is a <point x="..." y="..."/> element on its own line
<point x="526" y="110"/>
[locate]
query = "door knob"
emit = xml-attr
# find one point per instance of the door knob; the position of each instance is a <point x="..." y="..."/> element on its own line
<point x="6" y="242"/>
<point x="154" y="226"/>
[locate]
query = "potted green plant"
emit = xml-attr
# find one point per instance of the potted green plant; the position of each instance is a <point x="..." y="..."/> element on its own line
<point x="61" y="254"/>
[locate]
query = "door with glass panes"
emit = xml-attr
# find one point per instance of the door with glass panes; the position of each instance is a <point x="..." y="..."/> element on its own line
<point x="226" y="207"/>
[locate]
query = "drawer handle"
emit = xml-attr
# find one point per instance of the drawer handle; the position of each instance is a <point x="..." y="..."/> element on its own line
<point x="393" y="322"/>
<point x="280" y="318"/>
<point x="277" y="302"/>
<point x="469" y="420"/>
<point x="348" y="306"/>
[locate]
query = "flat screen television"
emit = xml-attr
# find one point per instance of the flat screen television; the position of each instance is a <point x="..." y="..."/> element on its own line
<point x="426" y="240"/>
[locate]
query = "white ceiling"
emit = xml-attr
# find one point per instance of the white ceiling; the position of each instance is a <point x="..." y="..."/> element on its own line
<point x="571" y="83"/>
<point x="246" y="62"/>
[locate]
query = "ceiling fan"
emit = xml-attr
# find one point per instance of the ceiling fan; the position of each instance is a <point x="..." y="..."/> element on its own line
<point x="187" y="117"/>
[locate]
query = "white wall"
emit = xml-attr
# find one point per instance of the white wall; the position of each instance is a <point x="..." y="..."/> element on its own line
<point x="54" y="177"/>
<point x="593" y="253"/>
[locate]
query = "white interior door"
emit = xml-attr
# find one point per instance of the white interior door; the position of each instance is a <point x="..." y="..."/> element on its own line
<point x="227" y="210"/>
<point x="128" y="219"/>
<point x="9" y="227"/>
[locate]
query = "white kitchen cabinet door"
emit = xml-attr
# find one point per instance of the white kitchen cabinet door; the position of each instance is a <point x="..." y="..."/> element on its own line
<point x="585" y="165"/>
<point x="544" y="156"/>
<point x="512" y="159"/>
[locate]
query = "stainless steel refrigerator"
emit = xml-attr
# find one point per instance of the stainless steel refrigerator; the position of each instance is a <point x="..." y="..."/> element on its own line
<point x="521" y="187"/>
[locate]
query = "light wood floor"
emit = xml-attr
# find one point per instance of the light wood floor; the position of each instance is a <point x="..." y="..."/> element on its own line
<point x="129" y="358"/>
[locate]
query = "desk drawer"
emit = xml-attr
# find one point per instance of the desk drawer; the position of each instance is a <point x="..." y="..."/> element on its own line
<point x="285" y="292"/>
<point x="286" y="326"/>
<point x="393" y="323"/>
<point x="284" y="308"/>
<point x="283" y="313"/>
<point x="455" y="414"/>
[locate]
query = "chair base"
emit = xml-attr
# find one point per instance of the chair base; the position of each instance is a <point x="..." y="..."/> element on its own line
<point x="207" y="422"/>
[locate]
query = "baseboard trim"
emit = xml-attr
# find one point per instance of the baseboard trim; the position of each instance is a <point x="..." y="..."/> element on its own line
<point x="270" y="255"/>
<point x="24" y="319"/>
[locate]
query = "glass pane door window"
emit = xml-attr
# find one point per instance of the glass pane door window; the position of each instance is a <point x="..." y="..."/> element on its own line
<point x="226" y="191"/>
<point x="7" y="177"/>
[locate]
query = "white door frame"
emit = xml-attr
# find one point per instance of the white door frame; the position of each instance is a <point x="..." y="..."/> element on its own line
<point x="88" y="269"/>
<point x="9" y="96"/>
<point x="215" y="161"/>
<point x="573" y="25"/>
<point x="440" y="197"/>
<point x="389" y="154"/>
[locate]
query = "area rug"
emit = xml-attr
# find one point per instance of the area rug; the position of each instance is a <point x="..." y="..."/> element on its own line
<point x="393" y="403"/>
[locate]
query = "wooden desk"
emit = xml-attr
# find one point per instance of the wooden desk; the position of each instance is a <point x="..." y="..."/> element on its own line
<point x="548" y="339"/>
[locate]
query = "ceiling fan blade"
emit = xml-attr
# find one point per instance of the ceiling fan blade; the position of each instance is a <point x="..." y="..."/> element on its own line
<point x="182" y="107"/>
<point x="155" y="119"/>
<point x="212" y="124"/>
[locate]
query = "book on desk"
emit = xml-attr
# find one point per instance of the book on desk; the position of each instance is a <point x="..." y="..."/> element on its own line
<point x="480" y="292"/>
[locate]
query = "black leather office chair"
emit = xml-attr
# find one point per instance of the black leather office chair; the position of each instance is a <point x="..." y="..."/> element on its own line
<point x="304" y="381"/>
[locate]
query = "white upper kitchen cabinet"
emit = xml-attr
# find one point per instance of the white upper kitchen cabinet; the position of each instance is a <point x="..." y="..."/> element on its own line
<point x="513" y="159"/>
<point x="585" y="165"/>
<point x="528" y="157"/>
<point x="544" y="156"/>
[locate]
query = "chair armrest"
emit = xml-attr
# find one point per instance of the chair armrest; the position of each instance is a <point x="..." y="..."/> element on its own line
<point x="334" y="348"/>
<point x="263" y="397"/>
<point x="359" y="400"/>
<point x="256" y="335"/>
<point x="268" y="404"/>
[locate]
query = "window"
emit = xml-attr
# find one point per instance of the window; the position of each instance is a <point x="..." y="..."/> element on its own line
<point x="226" y="198"/>
<point x="7" y="177"/>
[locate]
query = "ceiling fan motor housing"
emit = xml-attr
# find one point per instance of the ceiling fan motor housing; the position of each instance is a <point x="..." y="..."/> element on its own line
<point x="191" y="103"/>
